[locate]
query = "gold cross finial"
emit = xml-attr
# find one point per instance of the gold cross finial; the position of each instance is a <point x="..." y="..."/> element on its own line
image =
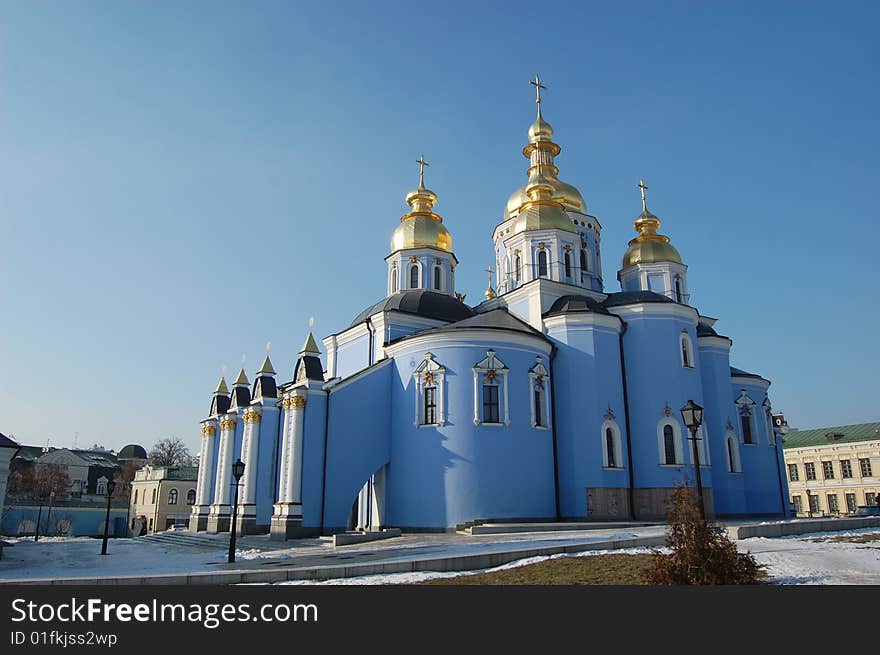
<point x="422" y="163"/>
<point x="538" y="86"/>
<point x="643" y="188"/>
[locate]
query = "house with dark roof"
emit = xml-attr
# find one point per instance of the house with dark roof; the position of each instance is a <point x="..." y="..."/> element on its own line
<point x="8" y="450"/>
<point x="550" y="398"/>
<point x="833" y="471"/>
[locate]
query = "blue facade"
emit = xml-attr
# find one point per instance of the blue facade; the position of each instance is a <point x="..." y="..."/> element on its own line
<point x="552" y="400"/>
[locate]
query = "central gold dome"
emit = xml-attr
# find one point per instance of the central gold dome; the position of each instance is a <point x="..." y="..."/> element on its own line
<point x="570" y="198"/>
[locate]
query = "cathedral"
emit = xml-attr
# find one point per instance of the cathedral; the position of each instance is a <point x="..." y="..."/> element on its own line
<point x="552" y="399"/>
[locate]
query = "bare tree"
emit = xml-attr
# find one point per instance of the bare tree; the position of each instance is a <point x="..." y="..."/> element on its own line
<point x="170" y="452"/>
<point x="35" y="481"/>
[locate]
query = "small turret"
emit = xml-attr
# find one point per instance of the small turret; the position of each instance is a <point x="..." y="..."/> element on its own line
<point x="308" y="366"/>
<point x="241" y="393"/>
<point x="220" y="401"/>
<point x="264" y="384"/>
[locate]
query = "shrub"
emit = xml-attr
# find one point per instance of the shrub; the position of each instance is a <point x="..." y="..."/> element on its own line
<point x="702" y="553"/>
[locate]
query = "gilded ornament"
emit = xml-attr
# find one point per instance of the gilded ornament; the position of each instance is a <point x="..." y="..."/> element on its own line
<point x="298" y="402"/>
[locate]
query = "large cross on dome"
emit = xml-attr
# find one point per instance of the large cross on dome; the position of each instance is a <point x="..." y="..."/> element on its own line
<point x="538" y="86"/>
<point x="422" y="163"/>
<point x="643" y="188"/>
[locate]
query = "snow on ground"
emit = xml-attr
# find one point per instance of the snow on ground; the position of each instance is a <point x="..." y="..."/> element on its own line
<point x="421" y="576"/>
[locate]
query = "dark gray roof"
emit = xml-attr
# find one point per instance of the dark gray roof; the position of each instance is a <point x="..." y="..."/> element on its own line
<point x="496" y="319"/>
<point x="265" y="387"/>
<point x="575" y="303"/>
<point x="132" y="451"/>
<point x="241" y="397"/>
<point x="430" y="304"/>
<point x="6" y="442"/>
<point x="704" y="330"/>
<point x="738" y="372"/>
<point x="308" y="368"/>
<point x="632" y="297"/>
<point x="219" y="404"/>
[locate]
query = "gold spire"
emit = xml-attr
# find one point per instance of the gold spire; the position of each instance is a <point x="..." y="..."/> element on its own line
<point x="490" y="292"/>
<point x="310" y="347"/>
<point x="266" y="368"/>
<point x="221" y="386"/>
<point x="241" y="379"/>
<point x="650" y="246"/>
<point x="421" y="227"/>
<point x="543" y="172"/>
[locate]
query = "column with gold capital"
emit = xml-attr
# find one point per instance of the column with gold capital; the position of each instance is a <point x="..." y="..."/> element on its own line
<point x="221" y="510"/>
<point x="199" y="518"/>
<point x="287" y="517"/>
<point x="250" y="447"/>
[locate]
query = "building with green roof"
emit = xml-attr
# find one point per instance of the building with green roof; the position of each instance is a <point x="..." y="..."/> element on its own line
<point x="833" y="471"/>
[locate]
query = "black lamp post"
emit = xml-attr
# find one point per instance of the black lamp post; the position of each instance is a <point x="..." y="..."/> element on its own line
<point x="692" y="414"/>
<point x="39" y="518"/>
<point x="237" y="472"/>
<point x="111" y="486"/>
<point x="49" y="513"/>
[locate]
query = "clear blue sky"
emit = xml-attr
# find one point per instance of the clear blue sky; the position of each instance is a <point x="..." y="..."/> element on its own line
<point x="181" y="182"/>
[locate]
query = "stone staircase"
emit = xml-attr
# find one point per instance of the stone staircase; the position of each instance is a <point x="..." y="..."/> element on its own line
<point x="188" y="540"/>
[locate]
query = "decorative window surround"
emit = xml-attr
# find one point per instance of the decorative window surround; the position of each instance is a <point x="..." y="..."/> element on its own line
<point x="702" y="450"/>
<point x="430" y="374"/>
<point x="539" y="380"/>
<point x="734" y="463"/>
<point x="686" y="349"/>
<point x="661" y="442"/>
<point x="745" y="405"/>
<point x="491" y="369"/>
<point x="611" y="424"/>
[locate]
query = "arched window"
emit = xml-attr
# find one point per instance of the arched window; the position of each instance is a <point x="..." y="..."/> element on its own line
<point x="733" y="462"/>
<point x="585" y="267"/>
<point x="746" y="422"/>
<point x="612" y="455"/>
<point x="394" y="279"/>
<point x="517" y="270"/>
<point x="567" y="265"/>
<point x="539" y="388"/>
<point x="135" y="496"/>
<point x="191" y="497"/>
<point x="687" y="353"/>
<point x="490" y="391"/>
<point x="101" y="489"/>
<point x="172" y="497"/>
<point x="678" y="294"/>
<point x="669" y="442"/>
<point x="437" y="274"/>
<point x="414" y="276"/>
<point x="542" y="263"/>
<point x="153" y="497"/>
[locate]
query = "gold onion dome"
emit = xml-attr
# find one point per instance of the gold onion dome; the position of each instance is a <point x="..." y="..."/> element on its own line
<point x="541" y="211"/>
<point x="649" y="247"/>
<point x="540" y="152"/>
<point x="421" y="227"/>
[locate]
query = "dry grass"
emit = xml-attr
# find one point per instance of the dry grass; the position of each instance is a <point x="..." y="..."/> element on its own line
<point x="587" y="570"/>
<point x="853" y="539"/>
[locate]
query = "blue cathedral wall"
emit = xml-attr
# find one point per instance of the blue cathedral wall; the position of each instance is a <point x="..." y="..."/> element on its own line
<point x="459" y="472"/>
<point x="267" y="464"/>
<point x="587" y="381"/>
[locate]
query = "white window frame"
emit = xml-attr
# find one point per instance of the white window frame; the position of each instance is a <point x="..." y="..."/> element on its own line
<point x="500" y="372"/>
<point x="771" y="431"/>
<point x="437" y="268"/>
<point x="176" y="493"/>
<point x="418" y="266"/>
<point x="685" y="340"/>
<point x="745" y="404"/>
<point x="661" y="445"/>
<point x="736" y="465"/>
<point x="429" y="373"/>
<point x="538" y="371"/>
<point x="618" y="445"/>
<point x="394" y="285"/>
<point x="101" y="486"/>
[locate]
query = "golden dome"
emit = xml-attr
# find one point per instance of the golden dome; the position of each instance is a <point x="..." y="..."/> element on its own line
<point x="649" y="247"/>
<point x="421" y="227"/>
<point x="541" y="211"/>
<point x="570" y="198"/>
<point x="421" y="231"/>
<point x="540" y="130"/>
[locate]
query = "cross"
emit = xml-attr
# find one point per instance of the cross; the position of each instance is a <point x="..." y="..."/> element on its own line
<point x="644" y="188"/>
<point x="538" y="86"/>
<point x="422" y="163"/>
<point x="490" y="271"/>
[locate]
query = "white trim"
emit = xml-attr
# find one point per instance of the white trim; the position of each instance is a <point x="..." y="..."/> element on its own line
<point x="417" y="265"/>
<point x="481" y="368"/>
<point x="685" y="340"/>
<point x="722" y="343"/>
<point x="656" y="309"/>
<point x="538" y="370"/>
<point x="429" y="366"/>
<point x="583" y="319"/>
<point x="470" y="338"/>
<point x="618" y="446"/>
<point x="729" y="438"/>
<point x="677" y="443"/>
<point x="702" y="450"/>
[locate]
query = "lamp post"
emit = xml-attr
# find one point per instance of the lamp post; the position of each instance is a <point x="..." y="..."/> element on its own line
<point x="39" y="518"/>
<point x="692" y="414"/>
<point x="111" y="486"/>
<point x="49" y="512"/>
<point x="237" y="472"/>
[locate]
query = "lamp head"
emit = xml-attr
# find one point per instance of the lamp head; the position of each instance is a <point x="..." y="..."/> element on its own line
<point x="238" y="469"/>
<point x="692" y="415"/>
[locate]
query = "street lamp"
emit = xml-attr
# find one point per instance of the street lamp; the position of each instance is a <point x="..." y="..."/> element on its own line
<point x="692" y="414"/>
<point x="111" y="486"/>
<point x="39" y="518"/>
<point x="49" y="512"/>
<point x="237" y="472"/>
